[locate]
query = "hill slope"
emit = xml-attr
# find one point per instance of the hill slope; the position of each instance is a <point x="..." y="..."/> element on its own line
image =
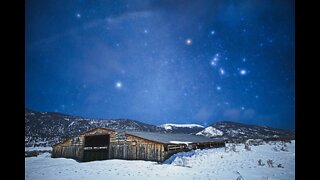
<point x="47" y="128"/>
<point x="239" y="131"/>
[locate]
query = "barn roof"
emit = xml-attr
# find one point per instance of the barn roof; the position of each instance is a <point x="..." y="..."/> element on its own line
<point x="172" y="138"/>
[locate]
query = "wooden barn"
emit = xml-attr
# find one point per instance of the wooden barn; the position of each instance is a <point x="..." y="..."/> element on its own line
<point x="102" y="144"/>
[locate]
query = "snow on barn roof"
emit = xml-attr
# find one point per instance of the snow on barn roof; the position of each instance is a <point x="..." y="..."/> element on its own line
<point x="171" y="138"/>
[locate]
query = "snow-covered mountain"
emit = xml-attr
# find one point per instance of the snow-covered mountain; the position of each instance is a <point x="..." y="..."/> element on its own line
<point x="239" y="131"/>
<point x="210" y="132"/>
<point x="182" y="128"/>
<point x="47" y="128"/>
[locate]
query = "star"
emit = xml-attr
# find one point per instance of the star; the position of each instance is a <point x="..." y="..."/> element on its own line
<point x="243" y="72"/>
<point x="146" y="31"/>
<point x="78" y="15"/>
<point x="218" y="88"/>
<point x="212" y="32"/>
<point x="188" y="42"/>
<point x="118" y="85"/>
<point x="242" y="108"/>
<point x="221" y="71"/>
<point x="243" y="59"/>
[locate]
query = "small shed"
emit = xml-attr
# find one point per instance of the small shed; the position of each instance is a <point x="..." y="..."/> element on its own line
<point x="102" y="143"/>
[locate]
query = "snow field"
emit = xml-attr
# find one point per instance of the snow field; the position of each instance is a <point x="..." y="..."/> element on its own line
<point x="198" y="164"/>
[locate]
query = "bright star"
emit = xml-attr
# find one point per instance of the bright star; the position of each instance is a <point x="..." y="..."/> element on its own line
<point x="118" y="85"/>
<point x="78" y="15"/>
<point x="222" y="71"/>
<point x="188" y="41"/>
<point x="212" y="32"/>
<point x="242" y="108"/>
<point x="146" y="31"/>
<point x="243" y="59"/>
<point x="213" y="63"/>
<point x="218" y="88"/>
<point x="243" y="72"/>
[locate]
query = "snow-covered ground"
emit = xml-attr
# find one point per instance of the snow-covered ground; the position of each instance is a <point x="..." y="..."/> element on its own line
<point x="40" y="148"/>
<point x="198" y="164"/>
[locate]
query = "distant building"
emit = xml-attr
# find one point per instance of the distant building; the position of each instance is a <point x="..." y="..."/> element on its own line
<point x="102" y="144"/>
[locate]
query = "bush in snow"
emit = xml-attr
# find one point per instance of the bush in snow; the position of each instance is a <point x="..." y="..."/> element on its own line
<point x="284" y="148"/>
<point x="260" y="163"/>
<point x="254" y="142"/>
<point x="280" y="166"/>
<point x="270" y="163"/>
<point x="276" y="149"/>
<point x="230" y="147"/>
<point x="280" y="147"/>
<point x="247" y="147"/>
<point x="239" y="176"/>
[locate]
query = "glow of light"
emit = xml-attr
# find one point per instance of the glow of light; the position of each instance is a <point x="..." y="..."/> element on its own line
<point x="78" y="15"/>
<point x="243" y="72"/>
<point x="118" y="85"/>
<point x="145" y="31"/>
<point x="188" y="41"/>
<point x="218" y="88"/>
<point x="242" y="108"/>
<point x="222" y="71"/>
<point x="212" y="32"/>
<point x="244" y="59"/>
<point x="213" y="63"/>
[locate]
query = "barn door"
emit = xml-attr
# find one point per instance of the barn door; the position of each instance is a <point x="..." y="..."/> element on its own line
<point x="96" y="147"/>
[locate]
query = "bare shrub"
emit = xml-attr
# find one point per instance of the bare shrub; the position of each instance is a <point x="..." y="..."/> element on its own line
<point x="280" y="166"/>
<point x="270" y="163"/>
<point x="247" y="147"/>
<point x="260" y="163"/>
<point x="239" y="176"/>
<point x="231" y="147"/>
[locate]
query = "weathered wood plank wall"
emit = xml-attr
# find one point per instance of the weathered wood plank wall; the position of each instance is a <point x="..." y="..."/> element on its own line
<point x="131" y="147"/>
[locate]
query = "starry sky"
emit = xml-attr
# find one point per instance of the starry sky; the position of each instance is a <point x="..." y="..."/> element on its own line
<point x="163" y="61"/>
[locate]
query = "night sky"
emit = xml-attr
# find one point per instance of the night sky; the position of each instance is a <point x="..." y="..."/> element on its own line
<point x="163" y="61"/>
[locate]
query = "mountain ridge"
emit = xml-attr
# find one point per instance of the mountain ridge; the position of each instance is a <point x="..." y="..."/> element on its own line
<point x="48" y="128"/>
